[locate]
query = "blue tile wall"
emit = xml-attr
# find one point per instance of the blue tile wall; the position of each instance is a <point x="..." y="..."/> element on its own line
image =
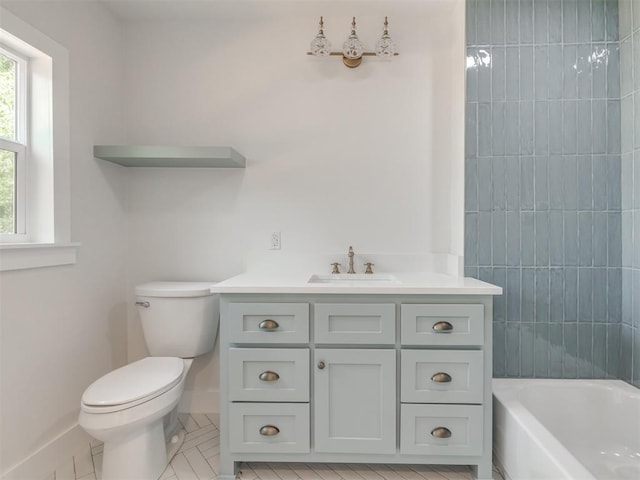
<point x="544" y="173"/>
<point x="630" y="190"/>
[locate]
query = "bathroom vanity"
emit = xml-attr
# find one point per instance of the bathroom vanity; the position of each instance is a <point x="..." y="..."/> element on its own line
<point x="395" y="369"/>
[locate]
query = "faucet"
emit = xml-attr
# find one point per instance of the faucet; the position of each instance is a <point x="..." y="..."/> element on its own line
<point x="351" y="254"/>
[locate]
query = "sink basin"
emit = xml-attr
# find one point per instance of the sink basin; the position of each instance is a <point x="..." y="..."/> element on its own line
<point x="354" y="278"/>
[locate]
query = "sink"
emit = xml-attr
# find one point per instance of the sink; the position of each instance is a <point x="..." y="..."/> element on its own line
<point x="354" y="278"/>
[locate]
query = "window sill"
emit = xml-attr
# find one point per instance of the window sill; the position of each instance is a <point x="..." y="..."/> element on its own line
<point x="21" y="256"/>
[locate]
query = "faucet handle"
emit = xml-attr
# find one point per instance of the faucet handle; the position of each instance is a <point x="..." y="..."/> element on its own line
<point x="335" y="268"/>
<point x="368" y="266"/>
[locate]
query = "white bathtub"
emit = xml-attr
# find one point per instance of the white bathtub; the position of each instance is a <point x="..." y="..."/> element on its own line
<point x="566" y="429"/>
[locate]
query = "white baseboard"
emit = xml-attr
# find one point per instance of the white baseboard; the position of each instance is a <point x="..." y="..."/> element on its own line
<point x="43" y="462"/>
<point x="200" y="401"/>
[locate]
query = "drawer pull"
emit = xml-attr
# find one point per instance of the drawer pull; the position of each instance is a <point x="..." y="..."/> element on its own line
<point x="321" y="365"/>
<point x="442" y="327"/>
<point x="269" y="431"/>
<point x="268" y="325"/>
<point x="440" y="432"/>
<point x="441" y="377"/>
<point x="268" y="376"/>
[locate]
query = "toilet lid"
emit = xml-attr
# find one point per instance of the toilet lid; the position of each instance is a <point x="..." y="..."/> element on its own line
<point x="148" y="377"/>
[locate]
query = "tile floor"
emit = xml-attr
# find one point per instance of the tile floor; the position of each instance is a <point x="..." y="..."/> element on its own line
<point x="198" y="460"/>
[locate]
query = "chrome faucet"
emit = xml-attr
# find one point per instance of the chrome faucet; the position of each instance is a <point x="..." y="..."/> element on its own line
<point x="351" y="254"/>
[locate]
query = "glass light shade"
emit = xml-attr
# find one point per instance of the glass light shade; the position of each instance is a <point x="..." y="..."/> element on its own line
<point x="320" y="46"/>
<point x="385" y="47"/>
<point x="353" y="47"/>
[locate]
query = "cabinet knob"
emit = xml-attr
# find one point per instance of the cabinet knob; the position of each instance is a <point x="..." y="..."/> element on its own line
<point x="442" y="327"/>
<point x="441" y="432"/>
<point x="321" y="365"/>
<point x="441" y="377"/>
<point x="268" y="376"/>
<point x="268" y="325"/>
<point x="269" y="431"/>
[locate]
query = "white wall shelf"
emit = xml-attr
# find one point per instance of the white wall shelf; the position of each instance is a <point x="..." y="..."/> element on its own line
<point x="159" y="156"/>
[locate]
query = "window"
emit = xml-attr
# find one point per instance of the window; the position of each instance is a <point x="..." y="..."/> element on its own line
<point x="35" y="227"/>
<point x="13" y="148"/>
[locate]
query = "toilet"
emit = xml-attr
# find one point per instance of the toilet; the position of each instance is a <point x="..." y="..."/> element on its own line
<point x="133" y="409"/>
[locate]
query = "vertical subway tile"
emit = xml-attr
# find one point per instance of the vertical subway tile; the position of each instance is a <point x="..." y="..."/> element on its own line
<point x="485" y="184"/>
<point x="527" y="243"/>
<point x="541" y="128"/>
<point x="570" y="344"/>
<point x="635" y="23"/>
<point x="485" y="274"/>
<point x="614" y="295"/>
<point x="512" y="128"/>
<point x="614" y="239"/>
<point x="585" y="351"/>
<point x="512" y="28"/>
<point x="627" y="296"/>
<point x="556" y="183"/>
<point x="513" y="238"/>
<point x="569" y="73"/>
<point x="512" y="74"/>
<point x="484" y="129"/>
<point x="599" y="350"/>
<point x="471" y="239"/>
<point x="541" y="184"/>
<point x="499" y="278"/>
<point x="584" y="21"/>
<point x="626" y="351"/>
<point x="499" y="238"/>
<point x="569" y="126"/>
<point x="541" y="72"/>
<point x="636" y="298"/>
<point x="585" y="239"/>
<point x="599" y="70"/>
<point x="613" y="180"/>
<point x="613" y="126"/>
<point x="555" y="128"/>
<point x="556" y="348"/>
<point x="497" y="22"/>
<point x="554" y="27"/>
<point x="527" y="295"/>
<point x="513" y="295"/>
<point x="635" y="61"/>
<point x="526" y="350"/>
<point x="542" y="295"/>
<point x="499" y="343"/>
<point x="472" y="75"/>
<point x="498" y="175"/>
<point x="470" y="22"/>
<point x="484" y="238"/>
<point x="600" y="239"/>
<point x="636" y="236"/>
<point x="599" y="126"/>
<point x="540" y="21"/>
<point x="498" y="128"/>
<point x="636" y="180"/>
<point x="541" y="347"/>
<point x="585" y="294"/>
<point x="570" y="294"/>
<point x="498" y="73"/>
<point x="597" y="20"/>
<point x="483" y="22"/>
<point x="600" y="295"/>
<point x="585" y="182"/>
<point x="570" y="238"/>
<point x="635" y="369"/>
<point x="613" y="70"/>
<point x="555" y="72"/>
<point x="613" y="350"/>
<point x="570" y="182"/>
<point x="526" y="128"/>
<point x="556" y="220"/>
<point x="484" y="63"/>
<point x="583" y="71"/>
<point x="626" y="236"/>
<point x="626" y="66"/>
<point x="471" y="130"/>
<point x="556" y="292"/>
<point x="611" y="19"/>
<point x="513" y="349"/>
<point x="625" y="19"/>
<point x="471" y="184"/>
<point x="526" y="21"/>
<point x="627" y="127"/>
<point x="513" y="183"/>
<point x="542" y="238"/>
<point x="583" y="128"/>
<point x="470" y="271"/>
<point x="569" y="21"/>
<point x="526" y="73"/>
<point x="527" y="177"/>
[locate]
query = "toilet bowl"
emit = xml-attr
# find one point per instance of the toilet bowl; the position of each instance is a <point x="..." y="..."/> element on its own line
<point x="133" y="409"/>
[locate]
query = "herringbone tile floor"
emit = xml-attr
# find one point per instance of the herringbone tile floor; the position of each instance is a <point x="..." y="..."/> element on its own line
<point x="198" y="460"/>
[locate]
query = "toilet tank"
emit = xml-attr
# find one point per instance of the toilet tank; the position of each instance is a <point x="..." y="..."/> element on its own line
<point x="179" y="319"/>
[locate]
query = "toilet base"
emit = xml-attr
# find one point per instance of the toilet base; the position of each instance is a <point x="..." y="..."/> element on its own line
<point x="139" y="455"/>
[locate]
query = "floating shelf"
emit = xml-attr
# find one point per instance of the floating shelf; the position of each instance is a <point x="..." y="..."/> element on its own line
<point x="156" y="156"/>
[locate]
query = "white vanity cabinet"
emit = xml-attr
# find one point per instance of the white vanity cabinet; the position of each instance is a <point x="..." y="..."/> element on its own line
<point x="355" y="378"/>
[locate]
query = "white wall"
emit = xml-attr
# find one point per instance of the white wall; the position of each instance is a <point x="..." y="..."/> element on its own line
<point x="370" y="157"/>
<point x="63" y="327"/>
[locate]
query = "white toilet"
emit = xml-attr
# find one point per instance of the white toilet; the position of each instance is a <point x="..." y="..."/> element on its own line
<point x="133" y="409"/>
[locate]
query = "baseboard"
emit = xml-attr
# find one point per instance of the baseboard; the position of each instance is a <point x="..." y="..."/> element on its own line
<point x="43" y="462"/>
<point x="200" y="401"/>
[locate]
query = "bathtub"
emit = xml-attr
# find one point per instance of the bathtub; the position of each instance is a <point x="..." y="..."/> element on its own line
<point x="566" y="429"/>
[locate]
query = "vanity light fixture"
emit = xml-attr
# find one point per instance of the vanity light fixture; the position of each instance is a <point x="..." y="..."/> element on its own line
<point x="353" y="49"/>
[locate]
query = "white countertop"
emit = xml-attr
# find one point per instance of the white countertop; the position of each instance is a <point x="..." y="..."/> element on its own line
<point x="412" y="283"/>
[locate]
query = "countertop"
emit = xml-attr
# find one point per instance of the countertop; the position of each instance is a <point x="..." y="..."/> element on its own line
<point x="406" y="283"/>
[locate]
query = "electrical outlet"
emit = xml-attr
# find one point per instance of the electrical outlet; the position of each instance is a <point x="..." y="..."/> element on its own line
<point x="275" y="241"/>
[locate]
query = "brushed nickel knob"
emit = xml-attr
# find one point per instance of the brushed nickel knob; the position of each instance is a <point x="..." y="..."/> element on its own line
<point x="441" y="432"/>
<point x="268" y="376"/>
<point x="269" y="431"/>
<point x="321" y="365"/>
<point x="441" y="377"/>
<point x="442" y="327"/>
<point x="268" y="325"/>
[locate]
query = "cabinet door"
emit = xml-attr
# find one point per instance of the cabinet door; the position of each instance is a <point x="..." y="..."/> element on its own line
<point x="355" y="401"/>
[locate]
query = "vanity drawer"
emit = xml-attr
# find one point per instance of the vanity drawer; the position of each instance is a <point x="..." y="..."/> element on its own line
<point x="442" y="376"/>
<point x="268" y="323"/>
<point x="351" y="323"/>
<point x="442" y="324"/>
<point x="269" y="427"/>
<point x="441" y="429"/>
<point x="269" y="374"/>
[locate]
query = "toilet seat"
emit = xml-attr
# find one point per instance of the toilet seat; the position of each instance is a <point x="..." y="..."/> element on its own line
<point x="133" y="384"/>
